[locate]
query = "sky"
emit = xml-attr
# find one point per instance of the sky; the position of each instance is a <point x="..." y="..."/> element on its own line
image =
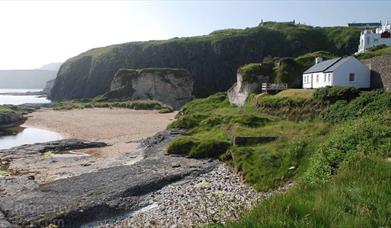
<point x="35" y="33"/>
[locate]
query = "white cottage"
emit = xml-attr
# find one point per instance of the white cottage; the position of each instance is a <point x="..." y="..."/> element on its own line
<point x="337" y="72"/>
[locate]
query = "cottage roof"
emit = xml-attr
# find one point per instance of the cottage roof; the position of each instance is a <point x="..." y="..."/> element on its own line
<point x="323" y="66"/>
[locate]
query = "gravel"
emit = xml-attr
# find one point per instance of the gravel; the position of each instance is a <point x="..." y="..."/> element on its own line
<point x="217" y="196"/>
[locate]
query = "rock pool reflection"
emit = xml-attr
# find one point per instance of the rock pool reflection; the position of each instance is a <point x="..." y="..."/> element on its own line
<point x="28" y="135"/>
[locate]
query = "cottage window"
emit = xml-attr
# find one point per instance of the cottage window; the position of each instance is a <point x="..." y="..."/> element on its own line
<point x="351" y="77"/>
<point x="325" y="78"/>
<point x="329" y="78"/>
<point x="317" y="78"/>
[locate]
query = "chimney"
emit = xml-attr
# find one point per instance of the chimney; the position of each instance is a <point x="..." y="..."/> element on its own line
<point x="318" y="60"/>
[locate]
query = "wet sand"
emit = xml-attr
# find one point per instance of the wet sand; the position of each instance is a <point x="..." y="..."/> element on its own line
<point x="122" y="129"/>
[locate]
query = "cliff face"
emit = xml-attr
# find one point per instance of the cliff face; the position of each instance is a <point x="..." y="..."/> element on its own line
<point x="170" y="86"/>
<point x="212" y="59"/>
<point x="380" y="67"/>
<point x="240" y="91"/>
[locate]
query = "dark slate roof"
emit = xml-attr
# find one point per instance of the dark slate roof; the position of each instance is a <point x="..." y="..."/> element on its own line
<point x="322" y="66"/>
<point x="337" y="64"/>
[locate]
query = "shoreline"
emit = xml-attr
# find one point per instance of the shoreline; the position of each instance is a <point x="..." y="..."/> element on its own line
<point x="121" y="129"/>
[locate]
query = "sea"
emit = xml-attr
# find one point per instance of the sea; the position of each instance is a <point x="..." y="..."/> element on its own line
<point x="24" y="134"/>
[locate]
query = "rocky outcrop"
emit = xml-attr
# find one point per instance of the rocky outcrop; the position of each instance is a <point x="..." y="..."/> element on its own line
<point x="48" y="87"/>
<point x="240" y="91"/>
<point x="212" y="59"/>
<point x="11" y="119"/>
<point x="100" y="195"/>
<point x="380" y="67"/>
<point x="170" y="86"/>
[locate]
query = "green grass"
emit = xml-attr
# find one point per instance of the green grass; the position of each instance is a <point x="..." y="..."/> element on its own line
<point x="359" y="196"/>
<point x="383" y="50"/>
<point x="300" y="93"/>
<point x="103" y="103"/>
<point x="342" y="169"/>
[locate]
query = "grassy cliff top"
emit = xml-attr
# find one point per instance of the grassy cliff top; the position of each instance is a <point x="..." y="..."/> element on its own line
<point x="342" y="37"/>
<point x="375" y="51"/>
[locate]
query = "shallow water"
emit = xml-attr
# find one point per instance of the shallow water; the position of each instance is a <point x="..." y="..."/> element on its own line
<point x="21" y="99"/>
<point x="27" y="136"/>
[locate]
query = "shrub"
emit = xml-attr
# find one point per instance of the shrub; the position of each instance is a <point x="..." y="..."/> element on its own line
<point x="368" y="103"/>
<point x="365" y="136"/>
<point x="332" y="94"/>
<point x="250" y="71"/>
<point x="289" y="71"/>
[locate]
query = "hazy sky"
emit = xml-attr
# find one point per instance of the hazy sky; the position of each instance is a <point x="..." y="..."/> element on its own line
<point x="34" y="33"/>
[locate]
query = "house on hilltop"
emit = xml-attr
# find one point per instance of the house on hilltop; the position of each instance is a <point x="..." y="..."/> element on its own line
<point x="340" y="71"/>
<point x="370" y="38"/>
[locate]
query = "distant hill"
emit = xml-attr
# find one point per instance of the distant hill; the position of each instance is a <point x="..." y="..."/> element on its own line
<point x="51" y="66"/>
<point x="212" y="59"/>
<point x="25" y="79"/>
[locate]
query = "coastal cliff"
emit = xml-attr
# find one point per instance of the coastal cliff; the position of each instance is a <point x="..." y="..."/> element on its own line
<point x="170" y="86"/>
<point x="212" y="59"/>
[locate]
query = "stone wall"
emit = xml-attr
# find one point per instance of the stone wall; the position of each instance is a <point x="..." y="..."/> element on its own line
<point x="380" y="72"/>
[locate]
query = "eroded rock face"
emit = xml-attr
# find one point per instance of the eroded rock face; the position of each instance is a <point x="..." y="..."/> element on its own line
<point x="240" y="91"/>
<point x="173" y="87"/>
<point x="10" y="119"/>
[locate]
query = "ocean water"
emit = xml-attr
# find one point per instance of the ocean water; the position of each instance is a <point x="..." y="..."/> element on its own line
<point x="20" y="99"/>
<point x="27" y="136"/>
<point x="22" y="135"/>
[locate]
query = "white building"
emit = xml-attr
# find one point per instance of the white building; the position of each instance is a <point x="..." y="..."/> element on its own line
<point x="337" y="72"/>
<point x="370" y="38"/>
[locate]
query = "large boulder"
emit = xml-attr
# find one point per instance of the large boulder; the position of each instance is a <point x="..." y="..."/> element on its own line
<point x="170" y="86"/>
<point x="10" y="118"/>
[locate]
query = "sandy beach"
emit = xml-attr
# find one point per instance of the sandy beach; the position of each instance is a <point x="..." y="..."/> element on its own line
<point x="122" y="129"/>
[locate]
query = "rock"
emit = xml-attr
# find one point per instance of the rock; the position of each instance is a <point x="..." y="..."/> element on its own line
<point x="101" y="194"/>
<point x="48" y="87"/>
<point x="380" y="67"/>
<point x="11" y="119"/>
<point x="240" y="91"/>
<point x="170" y="86"/>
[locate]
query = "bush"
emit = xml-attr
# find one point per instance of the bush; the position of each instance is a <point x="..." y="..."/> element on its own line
<point x="365" y="136"/>
<point x="332" y="94"/>
<point x="368" y="103"/>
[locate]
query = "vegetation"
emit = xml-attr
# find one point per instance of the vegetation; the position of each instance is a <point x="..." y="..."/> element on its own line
<point x="307" y="60"/>
<point x="368" y="103"/>
<point x="375" y="51"/>
<point x="101" y="102"/>
<point x="290" y="72"/>
<point x="332" y="94"/>
<point x="339" y="155"/>
<point x="212" y="59"/>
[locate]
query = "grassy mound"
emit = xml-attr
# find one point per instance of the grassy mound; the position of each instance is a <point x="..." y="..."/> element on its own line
<point x="104" y="103"/>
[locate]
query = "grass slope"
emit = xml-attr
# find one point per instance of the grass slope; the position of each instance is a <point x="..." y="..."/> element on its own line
<point x="341" y="168"/>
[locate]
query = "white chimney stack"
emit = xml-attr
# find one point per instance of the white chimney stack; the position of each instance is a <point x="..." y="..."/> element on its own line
<point x="318" y="60"/>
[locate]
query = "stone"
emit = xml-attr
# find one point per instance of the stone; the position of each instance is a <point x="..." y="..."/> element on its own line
<point x="239" y="92"/>
<point x="380" y="67"/>
<point x="170" y="86"/>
